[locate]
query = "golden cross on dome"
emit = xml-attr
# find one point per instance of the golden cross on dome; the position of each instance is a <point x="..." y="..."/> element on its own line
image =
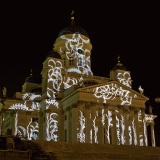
<point x="72" y="18"/>
<point x="118" y="58"/>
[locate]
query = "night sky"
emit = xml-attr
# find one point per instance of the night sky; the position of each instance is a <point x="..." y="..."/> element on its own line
<point x="131" y="30"/>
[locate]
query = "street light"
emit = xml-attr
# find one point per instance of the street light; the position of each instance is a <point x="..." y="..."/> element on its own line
<point x="157" y="99"/>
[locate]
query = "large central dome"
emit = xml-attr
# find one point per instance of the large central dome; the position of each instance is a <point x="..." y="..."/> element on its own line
<point x="73" y="29"/>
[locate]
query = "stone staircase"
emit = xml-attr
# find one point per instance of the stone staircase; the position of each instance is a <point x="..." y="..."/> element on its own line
<point x="79" y="151"/>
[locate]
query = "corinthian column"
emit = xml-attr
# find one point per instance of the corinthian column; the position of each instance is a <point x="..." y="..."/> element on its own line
<point x="88" y="126"/>
<point x="152" y="134"/>
<point x="145" y="141"/>
<point x="126" y="127"/>
<point x="107" y="124"/>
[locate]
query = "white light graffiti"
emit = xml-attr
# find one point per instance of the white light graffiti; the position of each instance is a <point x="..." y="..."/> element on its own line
<point x="145" y="132"/>
<point x="109" y="117"/>
<point x="54" y="75"/>
<point x="123" y="128"/>
<point x="118" y="131"/>
<point x="81" y="135"/>
<point x="19" y="106"/>
<point x="27" y="97"/>
<point x="30" y="96"/>
<point x="71" y="81"/>
<point x="32" y="130"/>
<point x="130" y="134"/>
<point x="16" y="123"/>
<point x="125" y="79"/>
<point x="51" y="127"/>
<point x="134" y="132"/>
<point x="149" y="118"/>
<point x="75" y="49"/>
<point x="51" y="101"/>
<point x="111" y="91"/>
<point x="95" y="130"/>
<point x="91" y="136"/>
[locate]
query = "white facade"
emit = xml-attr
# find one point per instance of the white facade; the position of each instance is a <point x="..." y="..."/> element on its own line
<point x="75" y="106"/>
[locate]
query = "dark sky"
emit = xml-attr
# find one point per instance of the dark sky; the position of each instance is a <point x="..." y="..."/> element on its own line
<point x="131" y="30"/>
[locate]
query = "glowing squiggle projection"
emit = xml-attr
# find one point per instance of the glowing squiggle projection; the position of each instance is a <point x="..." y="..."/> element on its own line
<point x="149" y="118"/>
<point x="109" y="117"/>
<point x="32" y="130"/>
<point x="134" y="132"/>
<point x="125" y="79"/>
<point x="91" y="136"/>
<point x="54" y="74"/>
<point x="52" y="127"/>
<point x="30" y="96"/>
<point x="110" y="91"/>
<point x="19" y="106"/>
<point x="145" y="132"/>
<point x="95" y="130"/>
<point x="81" y="134"/>
<point x="74" y="48"/>
<point x="71" y="81"/>
<point x="123" y="128"/>
<point x="130" y="135"/>
<point x="16" y="123"/>
<point x="118" y="131"/>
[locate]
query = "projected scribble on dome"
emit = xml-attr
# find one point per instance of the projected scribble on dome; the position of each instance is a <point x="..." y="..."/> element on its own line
<point x="75" y="49"/>
<point x="125" y="79"/>
<point x="110" y="91"/>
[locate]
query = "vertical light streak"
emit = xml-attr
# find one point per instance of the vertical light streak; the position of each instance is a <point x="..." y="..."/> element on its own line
<point x="81" y="135"/>
<point x="134" y="132"/>
<point x="51" y="127"/>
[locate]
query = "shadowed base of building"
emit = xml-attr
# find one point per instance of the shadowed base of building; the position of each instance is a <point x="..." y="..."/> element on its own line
<point x="32" y="150"/>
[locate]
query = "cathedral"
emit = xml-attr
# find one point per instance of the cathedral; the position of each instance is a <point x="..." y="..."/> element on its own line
<point x="73" y="105"/>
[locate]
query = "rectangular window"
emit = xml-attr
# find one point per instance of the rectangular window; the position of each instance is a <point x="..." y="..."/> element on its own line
<point x="71" y="61"/>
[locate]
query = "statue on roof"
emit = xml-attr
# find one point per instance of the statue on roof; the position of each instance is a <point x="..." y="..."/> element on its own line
<point x="150" y="110"/>
<point x="141" y="90"/>
<point x="4" y="91"/>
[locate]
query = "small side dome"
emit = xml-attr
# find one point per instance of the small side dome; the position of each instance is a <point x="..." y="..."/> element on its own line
<point x="119" y="66"/>
<point x="30" y="79"/>
<point x="53" y="54"/>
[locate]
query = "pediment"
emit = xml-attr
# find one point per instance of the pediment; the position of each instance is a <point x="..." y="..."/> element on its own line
<point x="113" y="89"/>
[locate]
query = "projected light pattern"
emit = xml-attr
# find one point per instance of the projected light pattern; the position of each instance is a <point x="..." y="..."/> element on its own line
<point x="51" y="127"/>
<point x="72" y="81"/>
<point x="123" y="128"/>
<point x="145" y="132"/>
<point x="130" y="134"/>
<point x="81" y="134"/>
<point x="111" y="91"/>
<point x="125" y="79"/>
<point x="16" y="123"/>
<point x="91" y="136"/>
<point x="30" y="96"/>
<point x="149" y="118"/>
<point x="134" y="133"/>
<point x="32" y="130"/>
<point x="118" y="131"/>
<point x="75" y="49"/>
<point x="27" y="97"/>
<point x="95" y="130"/>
